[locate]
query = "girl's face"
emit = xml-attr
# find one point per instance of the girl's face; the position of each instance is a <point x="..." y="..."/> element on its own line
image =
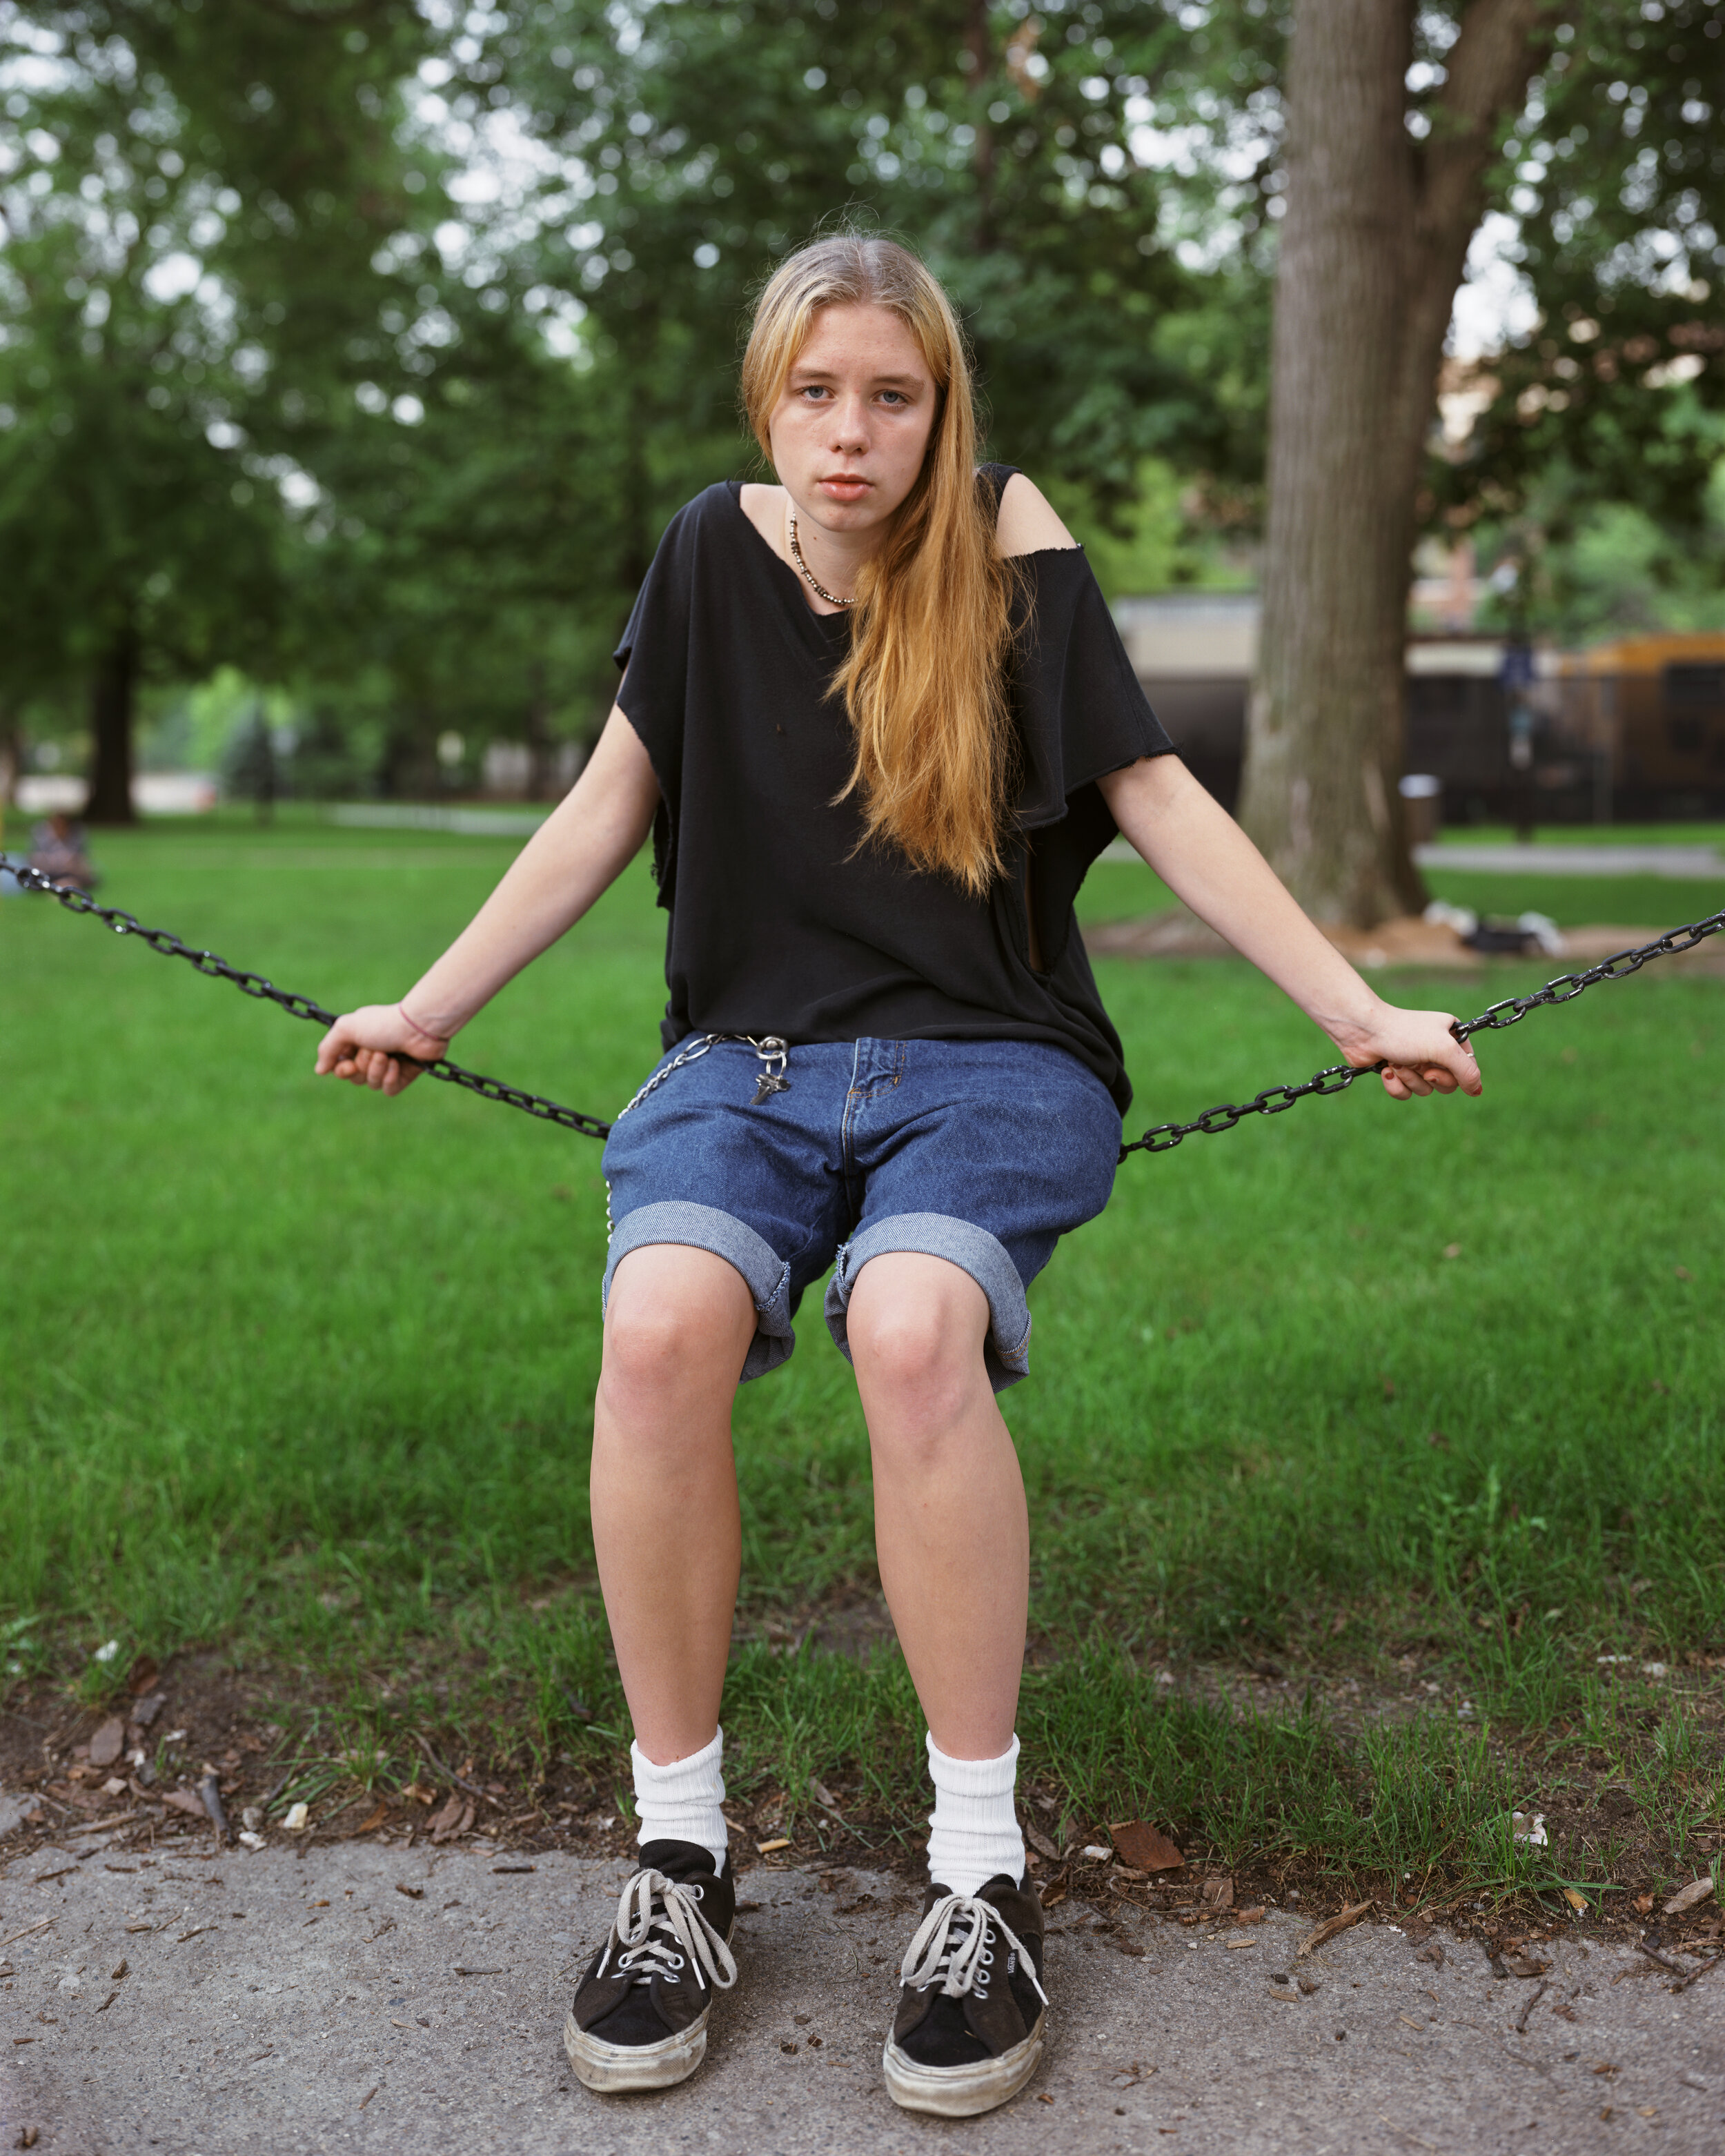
<point x="851" y="426"/>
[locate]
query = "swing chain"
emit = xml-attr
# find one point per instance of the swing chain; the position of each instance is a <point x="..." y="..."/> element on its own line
<point x="1275" y="1100"/>
<point x="254" y="984"/>
<point x="1163" y="1137"/>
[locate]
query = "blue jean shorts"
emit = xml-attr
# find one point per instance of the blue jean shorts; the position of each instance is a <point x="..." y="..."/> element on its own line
<point x="982" y="1152"/>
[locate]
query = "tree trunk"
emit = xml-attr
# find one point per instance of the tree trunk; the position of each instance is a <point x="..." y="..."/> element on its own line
<point x="1372" y="248"/>
<point x="113" y="698"/>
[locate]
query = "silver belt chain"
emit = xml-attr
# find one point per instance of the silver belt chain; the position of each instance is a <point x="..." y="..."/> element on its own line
<point x="769" y="1048"/>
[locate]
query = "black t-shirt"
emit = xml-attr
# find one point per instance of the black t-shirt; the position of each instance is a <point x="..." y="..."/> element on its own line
<point x="779" y="922"/>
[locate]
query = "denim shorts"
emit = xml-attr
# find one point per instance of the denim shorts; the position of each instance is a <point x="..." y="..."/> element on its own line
<point x="982" y="1152"/>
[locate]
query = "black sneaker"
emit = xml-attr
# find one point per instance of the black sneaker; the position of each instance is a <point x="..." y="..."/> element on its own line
<point x="639" y="2018"/>
<point x="971" y="2013"/>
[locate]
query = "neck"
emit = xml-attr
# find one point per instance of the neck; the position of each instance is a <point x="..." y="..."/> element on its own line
<point x="835" y="558"/>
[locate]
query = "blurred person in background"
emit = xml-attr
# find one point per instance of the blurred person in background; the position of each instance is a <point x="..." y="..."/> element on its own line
<point x="59" y="848"/>
<point x="879" y="723"/>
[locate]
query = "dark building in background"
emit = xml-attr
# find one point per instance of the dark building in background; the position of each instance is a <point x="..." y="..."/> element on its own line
<point x="1634" y="728"/>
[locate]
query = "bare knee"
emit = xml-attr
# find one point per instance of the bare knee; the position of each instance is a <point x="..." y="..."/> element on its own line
<point x="678" y="1323"/>
<point x="915" y="1328"/>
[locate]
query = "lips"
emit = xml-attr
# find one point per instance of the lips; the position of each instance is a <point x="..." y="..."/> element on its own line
<point x="845" y="486"/>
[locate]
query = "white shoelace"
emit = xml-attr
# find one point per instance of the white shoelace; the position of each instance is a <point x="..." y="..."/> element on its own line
<point x="677" y="1915"/>
<point x="951" y="1949"/>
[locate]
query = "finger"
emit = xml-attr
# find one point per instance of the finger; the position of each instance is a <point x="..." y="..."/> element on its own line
<point x="332" y="1051"/>
<point x="1393" y="1084"/>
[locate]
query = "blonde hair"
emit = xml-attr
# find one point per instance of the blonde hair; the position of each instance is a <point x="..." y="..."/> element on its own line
<point x="924" y="684"/>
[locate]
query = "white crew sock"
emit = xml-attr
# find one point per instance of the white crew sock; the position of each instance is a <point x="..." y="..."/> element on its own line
<point x="973" y="1830"/>
<point x="680" y="1802"/>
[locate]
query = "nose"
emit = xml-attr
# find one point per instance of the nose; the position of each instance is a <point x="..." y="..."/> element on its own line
<point x="849" y="424"/>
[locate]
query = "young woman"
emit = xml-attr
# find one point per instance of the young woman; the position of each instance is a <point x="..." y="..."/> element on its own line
<point x="879" y="723"/>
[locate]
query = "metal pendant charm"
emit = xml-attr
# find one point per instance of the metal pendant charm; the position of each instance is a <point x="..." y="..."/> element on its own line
<point x="771" y="1050"/>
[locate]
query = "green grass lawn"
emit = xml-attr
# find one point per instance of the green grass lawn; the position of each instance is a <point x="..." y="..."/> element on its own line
<point x="1427" y="1393"/>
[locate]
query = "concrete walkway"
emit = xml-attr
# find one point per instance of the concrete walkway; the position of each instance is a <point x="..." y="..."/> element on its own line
<point x="1681" y="864"/>
<point x="271" y="2003"/>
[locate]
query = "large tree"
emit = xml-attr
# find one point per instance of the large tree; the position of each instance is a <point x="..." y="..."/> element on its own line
<point x="186" y="213"/>
<point x="1404" y="122"/>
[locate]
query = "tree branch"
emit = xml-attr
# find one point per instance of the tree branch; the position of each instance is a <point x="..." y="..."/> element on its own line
<point x="1488" y="64"/>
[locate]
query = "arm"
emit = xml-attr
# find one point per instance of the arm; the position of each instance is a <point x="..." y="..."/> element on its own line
<point x="1198" y="850"/>
<point x="585" y="842"/>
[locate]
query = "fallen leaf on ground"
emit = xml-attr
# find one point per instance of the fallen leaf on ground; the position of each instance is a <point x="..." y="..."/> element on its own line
<point x="1686" y="1897"/>
<point x="1145" y="1847"/>
<point x="375" y="1821"/>
<point x="1524" y="1965"/>
<point x="1248" y="1916"/>
<point x="119" y="1971"/>
<point x="1040" y="1843"/>
<point x="1433" y="1953"/>
<point x="1331" y="1925"/>
<point x="1218" y="1893"/>
<point x="455" y="1819"/>
<point x="1232" y="1943"/>
<point x="188" y="1801"/>
<point x="412" y="1893"/>
<point x="1643" y="1902"/>
<point x="108" y="1743"/>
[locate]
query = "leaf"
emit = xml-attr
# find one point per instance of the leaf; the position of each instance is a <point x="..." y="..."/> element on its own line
<point x="375" y="1821"/>
<point x="1524" y="1965"/>
<point x="186" y="1801"/>
<point x="1331" y="1925"/>
<point x="108" y="1743"/>
<point x="1218" y="1893"/>
<point x="1040" y="1843"/>
<point x="1686" y="1897"/>
<point x="455" y="1817"/>
<point x="1145" y="1847"/>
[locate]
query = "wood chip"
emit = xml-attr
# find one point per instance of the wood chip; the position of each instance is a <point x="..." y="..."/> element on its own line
<point x="412" y="1893"/>
<point x="41" y="1924"/>
<point x="1145" y="1847"/>
<point x="1330" y="1926"/>
<point x="119" y="1970"/>
<point x="1233" y="1944"/>
<point x="1686" y="1897"/>
<point x="478" y="1971"/>
<point x="107" y="2002"/>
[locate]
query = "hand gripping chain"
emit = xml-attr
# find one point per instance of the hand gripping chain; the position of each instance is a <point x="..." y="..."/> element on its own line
<point x="1163" y="1137"/>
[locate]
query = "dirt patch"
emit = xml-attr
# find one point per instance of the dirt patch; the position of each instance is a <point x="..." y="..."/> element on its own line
<point x="1408" y="942"/>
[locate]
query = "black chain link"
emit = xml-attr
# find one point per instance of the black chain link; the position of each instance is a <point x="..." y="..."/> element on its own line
<point x="1163" y="1137"/>
<point x="254" y="984"/>
<point x="1276" y="1100"/>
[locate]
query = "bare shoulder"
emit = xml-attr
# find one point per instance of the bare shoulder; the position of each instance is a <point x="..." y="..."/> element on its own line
<point x="764" y="507"/>
<point x="1028" y="524"/>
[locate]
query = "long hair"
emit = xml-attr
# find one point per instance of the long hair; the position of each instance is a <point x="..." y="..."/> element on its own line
<point x="924" y="684"/>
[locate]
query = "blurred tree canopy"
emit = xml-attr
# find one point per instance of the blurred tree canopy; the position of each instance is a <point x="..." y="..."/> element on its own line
<point x="368" y="345"/>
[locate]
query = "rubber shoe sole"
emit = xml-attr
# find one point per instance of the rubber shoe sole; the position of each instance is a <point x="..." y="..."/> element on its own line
<point x="962" y="2091"/>
<point x="614" y="2069"/>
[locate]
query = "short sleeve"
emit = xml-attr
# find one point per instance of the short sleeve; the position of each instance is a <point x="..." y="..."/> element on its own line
<point x="1081" y="714"/>
<point x="654" y="655"/>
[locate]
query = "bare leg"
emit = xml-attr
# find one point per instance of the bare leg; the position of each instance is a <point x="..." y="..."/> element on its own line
<point x="951" y="1529"/>
<point x="666" y="1529"/>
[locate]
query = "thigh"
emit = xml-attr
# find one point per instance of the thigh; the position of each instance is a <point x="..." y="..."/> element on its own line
<point x="985" y="1154"/>
<point x="697" y="1160"/>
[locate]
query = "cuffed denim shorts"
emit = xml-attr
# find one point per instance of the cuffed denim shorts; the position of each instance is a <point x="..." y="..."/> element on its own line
<point x="982" y="1152"/>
